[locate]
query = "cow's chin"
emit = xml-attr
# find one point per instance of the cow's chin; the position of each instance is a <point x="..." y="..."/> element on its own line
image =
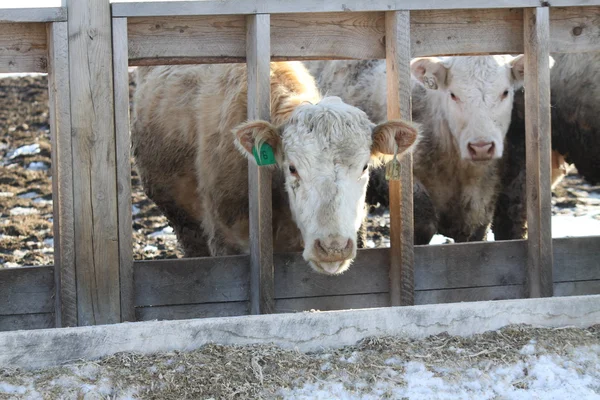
<point x="330" y="268"/>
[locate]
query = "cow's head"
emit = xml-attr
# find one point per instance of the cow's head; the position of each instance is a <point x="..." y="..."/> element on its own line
<point x="475" y="96"/>
<point x="325" y="151"/>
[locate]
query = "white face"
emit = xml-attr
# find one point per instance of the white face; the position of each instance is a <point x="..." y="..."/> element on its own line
<point x="325" y="151"/>
<point x="475" y="96"/>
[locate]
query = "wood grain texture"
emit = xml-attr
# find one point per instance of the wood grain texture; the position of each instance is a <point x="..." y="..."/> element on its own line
<point x="26" y="321"/>
<point x="220" y="7"/>
<point x="329" y="303"/>
<point x="62" y="171"/>
<point x="487" y="293"/>
<point x="259" y="179"/>
<point x="27" y="290"/>
<point x="94" y="169"/>
<point x="30" y="14"/>
<point x="574" y="29"/>
<point x="191" y="280"/>
<point x="358" y="35"/>
<point x="123" y="159"/>
<point x="401" y="197"/>
<point x="538" y="152"/>
<point x="580" y="288"/>
<point x="23" y="48"/>
<point x="189" y="311"/>
<point x="576" y="259"/>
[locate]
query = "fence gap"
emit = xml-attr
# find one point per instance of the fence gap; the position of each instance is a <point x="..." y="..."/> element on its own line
<point x="258" y="56"/>
<point x="537" y="130"/>
<point x="397" y="43"/>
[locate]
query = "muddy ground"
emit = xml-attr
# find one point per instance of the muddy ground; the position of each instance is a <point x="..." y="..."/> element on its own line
<point x="26" y="236"/>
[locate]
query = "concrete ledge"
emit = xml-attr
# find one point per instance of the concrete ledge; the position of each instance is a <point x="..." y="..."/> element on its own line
<point x="304" y="331"/>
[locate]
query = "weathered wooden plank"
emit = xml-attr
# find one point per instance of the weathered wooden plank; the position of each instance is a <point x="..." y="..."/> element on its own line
<point x="23" y="48"/>
<point x="26" y="321"/>
<point x="189" y="311"/>
<point x="330" y="303"/>
<point x="191" y="280"/>
<point x="259" y="179"/>
<point x="537" y="128"/>
<point x="455" y="32"/>
<point x="37" y="14"/>
<point x="94" y="169"/>
<point x="328" y="36"/>
<point x="576" y="259"/>
<point x="62" y="171"/>
<point x="127" y="8"/>
<point x="123" y="159"/>
<point x="401" y="197"/>
<point x="26" y="290"/>
<point x="469" y="294"/>
<point x="187" y="39"/>
<point x="574" y="29"/>
<point x="581" y="288"/>
<point x="360" y="35"/>
<point x="367" y="274"/>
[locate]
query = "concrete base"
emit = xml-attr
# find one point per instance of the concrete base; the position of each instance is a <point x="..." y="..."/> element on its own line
<point x="303" y="331"/>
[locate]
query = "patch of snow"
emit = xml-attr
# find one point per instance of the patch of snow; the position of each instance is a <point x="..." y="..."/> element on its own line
<point x="49" y="242"/>
<point x="134" y="210"/>
<point x="150" y="248"/>
<point x="23" y="211"/>
<point x="569" y="226"/>
<point x="11" y="265"/>
<point x="7" y="388"/>
<point x="38" y="166"/>
<point x="370" y="244"/>
<point x="528" y="349"/>
<point x="28" y="195"/>
<point x="165" y="232"/>
<point x="26" y="150"/>
<point x="6" y="194"/>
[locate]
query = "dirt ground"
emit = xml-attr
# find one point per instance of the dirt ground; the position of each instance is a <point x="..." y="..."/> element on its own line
<point x="26" y="236"/>
<point x="388" y="367"/>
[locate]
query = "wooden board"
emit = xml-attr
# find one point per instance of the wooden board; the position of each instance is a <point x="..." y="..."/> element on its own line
<point x="123" y="160"/>
<point x="537" y="129"/>
<point x="188" y="311"/>
<point x="26" y="290"/>
<point x="62" y="171"/>
<point x="23" y="48"/>
<point x="127" y="8"/>
<point x="469" y="294"/>
<point x="259" y="178"/>
<point x="329" y="303"/>
<point x="359" y="35"/>
<point x="26" y="321"/>
<point x="399" y="106"/>
<point x="94" y="167"/>
<point x="38" y="14"/>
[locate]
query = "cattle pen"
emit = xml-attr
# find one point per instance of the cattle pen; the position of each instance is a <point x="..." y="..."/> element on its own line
<point x="86" y="47"/>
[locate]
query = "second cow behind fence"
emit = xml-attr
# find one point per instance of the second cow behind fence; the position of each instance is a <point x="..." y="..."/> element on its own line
<point x="191" y="142"/>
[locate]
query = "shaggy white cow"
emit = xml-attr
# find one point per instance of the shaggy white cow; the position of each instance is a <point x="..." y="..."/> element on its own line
<point x="463" y="105"/>
<point x="195" y="169"/>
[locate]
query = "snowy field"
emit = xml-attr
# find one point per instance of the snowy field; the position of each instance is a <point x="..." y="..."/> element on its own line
<point x="513" y="363"/>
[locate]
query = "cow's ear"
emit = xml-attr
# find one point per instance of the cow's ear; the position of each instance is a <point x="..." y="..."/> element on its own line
<point x="517" y="71"/>
<point x="388" y="135"/>
<point x="430" y="71"/>
<point x="250" y="138"/>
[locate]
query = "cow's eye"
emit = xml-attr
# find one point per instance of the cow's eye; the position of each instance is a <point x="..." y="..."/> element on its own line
<point x="453" y="96"/>
<point x="293" y="170"/>
<point x="505" y="94"/>
<point x="365" y="167"/>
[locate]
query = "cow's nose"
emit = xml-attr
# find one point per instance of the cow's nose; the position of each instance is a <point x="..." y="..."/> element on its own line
<point x="481" y="151"/>
<point x="333" y="248"/>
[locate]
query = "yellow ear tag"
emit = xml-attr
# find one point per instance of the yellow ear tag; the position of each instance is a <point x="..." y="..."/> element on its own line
<point x="267" y="157"/>
<point x="393" y="168"/>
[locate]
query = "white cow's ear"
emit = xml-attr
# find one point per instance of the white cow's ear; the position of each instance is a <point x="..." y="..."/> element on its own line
<point x="517" y="71"/>
<point x="388" y="135"/>
<point x="430" y="71"/>
<point x="253" y="134"/>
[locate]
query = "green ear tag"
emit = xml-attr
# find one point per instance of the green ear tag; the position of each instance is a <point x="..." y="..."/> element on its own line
<point x="266" y="155"/>
<point x="393" y="170"/>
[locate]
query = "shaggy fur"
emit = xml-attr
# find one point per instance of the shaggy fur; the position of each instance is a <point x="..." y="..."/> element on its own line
<point x="191" y="145"/>
<point x="452" y="196"/>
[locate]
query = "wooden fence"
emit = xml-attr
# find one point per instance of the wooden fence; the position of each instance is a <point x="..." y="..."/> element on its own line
<point x="96" y="281"/>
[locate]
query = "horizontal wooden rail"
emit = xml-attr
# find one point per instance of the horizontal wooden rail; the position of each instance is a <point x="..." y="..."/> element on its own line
<point x="30" y="14"/>
<point x="222" y="38"/>
<point x="128" y="8"/>
<point x="23" y="47"/>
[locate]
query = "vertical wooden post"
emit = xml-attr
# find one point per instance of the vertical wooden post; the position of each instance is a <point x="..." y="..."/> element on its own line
<point x="397" y="46"/>
<point x="94" y="170"/>
<point x="258" y="57"/>
<point x="62" y="174"/>
<point x="537" y="129"/>
<point x="123" y="154"/>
